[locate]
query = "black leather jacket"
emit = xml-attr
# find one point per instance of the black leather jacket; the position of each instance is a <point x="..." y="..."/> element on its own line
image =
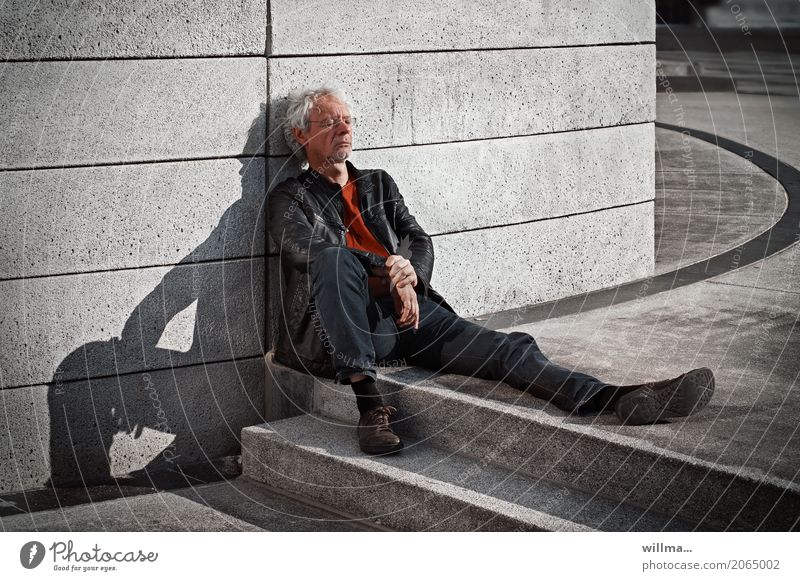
<point x="304" y="216"/>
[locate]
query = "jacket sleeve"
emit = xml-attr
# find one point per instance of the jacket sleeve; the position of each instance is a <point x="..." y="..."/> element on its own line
<point x="411" y="235"/>
<point x="294" y="235"/>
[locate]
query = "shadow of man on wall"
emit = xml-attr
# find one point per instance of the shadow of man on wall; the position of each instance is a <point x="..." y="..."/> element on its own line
<point x="183" y="379"/>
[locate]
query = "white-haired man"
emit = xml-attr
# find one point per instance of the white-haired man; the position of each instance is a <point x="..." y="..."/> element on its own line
<point x="353" y="301"/>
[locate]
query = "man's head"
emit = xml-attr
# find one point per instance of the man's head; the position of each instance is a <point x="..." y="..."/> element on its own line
<point x="319" y="122"/>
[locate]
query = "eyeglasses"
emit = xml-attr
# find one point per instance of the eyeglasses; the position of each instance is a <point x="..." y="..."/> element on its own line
<point x="331" y="123"/>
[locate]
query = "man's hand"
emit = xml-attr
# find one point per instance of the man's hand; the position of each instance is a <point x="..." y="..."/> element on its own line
<point x="400" y="272"/>
<point x="406" y="306"/>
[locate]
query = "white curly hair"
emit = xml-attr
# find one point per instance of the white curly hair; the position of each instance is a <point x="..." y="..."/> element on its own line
<point x="298" y="110"/>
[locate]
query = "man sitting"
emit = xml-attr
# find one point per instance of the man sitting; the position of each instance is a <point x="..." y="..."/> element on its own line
<point x="353" y="301"/>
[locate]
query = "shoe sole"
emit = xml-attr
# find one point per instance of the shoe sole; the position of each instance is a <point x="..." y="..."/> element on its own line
<point x="684" y="396"/>
<point x="384" y="452"/>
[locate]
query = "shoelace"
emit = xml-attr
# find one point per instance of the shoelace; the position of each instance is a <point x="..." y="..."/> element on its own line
<point x="379" y="417"/>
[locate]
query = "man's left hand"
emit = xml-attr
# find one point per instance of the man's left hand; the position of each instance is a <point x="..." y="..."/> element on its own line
<point x="400" y="272"/>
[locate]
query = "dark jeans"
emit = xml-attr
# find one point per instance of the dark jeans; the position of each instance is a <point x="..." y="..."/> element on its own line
<point x="363" y="333"/>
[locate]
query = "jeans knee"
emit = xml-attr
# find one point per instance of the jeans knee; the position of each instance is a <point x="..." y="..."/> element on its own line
<point x="518" y="346"/>
<point x="520" y="338"/>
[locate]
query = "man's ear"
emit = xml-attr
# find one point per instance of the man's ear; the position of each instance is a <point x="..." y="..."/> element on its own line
<point x="299" y="135"/>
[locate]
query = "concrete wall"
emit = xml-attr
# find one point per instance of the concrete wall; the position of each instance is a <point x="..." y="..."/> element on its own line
<point x="132" y="255"/>
<point x="135" y="273"/>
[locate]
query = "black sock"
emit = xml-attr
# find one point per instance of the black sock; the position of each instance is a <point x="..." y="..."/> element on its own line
<point x="367" y="394"/>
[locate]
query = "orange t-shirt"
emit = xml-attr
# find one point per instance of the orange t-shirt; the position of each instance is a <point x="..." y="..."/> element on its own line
<point x="358" y="235"/>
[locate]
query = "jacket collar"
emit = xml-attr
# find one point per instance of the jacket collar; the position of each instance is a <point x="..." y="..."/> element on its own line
<point x="315" y="180"/>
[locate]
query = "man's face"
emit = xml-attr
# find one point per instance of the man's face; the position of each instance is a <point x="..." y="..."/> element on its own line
<point x="324" y="143"/>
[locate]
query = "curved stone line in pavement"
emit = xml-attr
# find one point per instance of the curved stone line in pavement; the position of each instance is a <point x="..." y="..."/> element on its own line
<point x="782" y="234"/>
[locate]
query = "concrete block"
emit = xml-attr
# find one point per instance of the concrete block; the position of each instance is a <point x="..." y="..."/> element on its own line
<point x="57" y="114"/>
<point x="57" y="29"/>
<point x="70" y="220"/>
<point x="123" y="423"/>
<point x="485" y="271"/>
<point x="361" y="26"/>
<point x="89" y="325"/>
<point x="283" y="396"/>
<point x="402" y="99"/>
<point x="25" y="445"/>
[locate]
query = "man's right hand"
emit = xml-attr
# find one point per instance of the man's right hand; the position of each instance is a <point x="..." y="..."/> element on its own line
<point x="406" y="306"/>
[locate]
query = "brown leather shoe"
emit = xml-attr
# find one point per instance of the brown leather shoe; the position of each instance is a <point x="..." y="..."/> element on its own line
<point x="670" y="398"/>
<point x="374" y="434"/>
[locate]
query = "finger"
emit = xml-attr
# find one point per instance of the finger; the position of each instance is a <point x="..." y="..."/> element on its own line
<point x="403" y="314"/>
<point x="400" y="265"/>
<point x="410" y="315"/>
<point x="410" y="277"/>
<point x="398" y="307"/>
<point x="401" y="281"/>
<point x="392" y="260"/>
<point x="412" y="307"/>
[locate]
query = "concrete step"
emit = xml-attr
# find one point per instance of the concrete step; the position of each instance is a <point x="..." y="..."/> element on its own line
<point x="495" y="425"/>
<point x="424" y="488"/>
